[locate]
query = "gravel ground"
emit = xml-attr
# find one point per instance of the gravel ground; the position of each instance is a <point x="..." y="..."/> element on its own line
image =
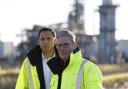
<point x="117" y="85"/>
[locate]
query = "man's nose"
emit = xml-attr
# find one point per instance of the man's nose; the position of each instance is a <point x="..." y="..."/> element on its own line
<point x="45" y="41"/>
<point x="62" y="47"/>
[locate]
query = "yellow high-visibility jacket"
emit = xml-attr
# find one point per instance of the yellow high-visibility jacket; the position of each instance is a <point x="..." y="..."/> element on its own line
<point x="91" y="79"/>
<point x="23" y="81"/>
<point x="34" y="79"/>
<point x="31" y="73"/>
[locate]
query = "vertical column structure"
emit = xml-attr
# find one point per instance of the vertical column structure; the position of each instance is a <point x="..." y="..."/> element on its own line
<point x="107" y="42"/>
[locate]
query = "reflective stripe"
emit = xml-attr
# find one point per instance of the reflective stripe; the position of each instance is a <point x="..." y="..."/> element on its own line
<point x="80" y="75"/>
<point x="30" y="75"/>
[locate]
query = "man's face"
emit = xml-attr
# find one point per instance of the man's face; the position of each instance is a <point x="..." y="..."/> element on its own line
<point x="64" y="46"/>
<point x="46" y="41"/>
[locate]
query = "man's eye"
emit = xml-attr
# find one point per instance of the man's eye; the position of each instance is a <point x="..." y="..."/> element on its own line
<point x="48" y="38"/>
<point x="42" y="39"/>
<point x="63" y="45"/>
<point x="66" y="44"/>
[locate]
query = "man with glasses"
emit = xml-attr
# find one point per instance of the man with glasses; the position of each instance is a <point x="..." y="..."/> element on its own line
<point x="71" y="71"/>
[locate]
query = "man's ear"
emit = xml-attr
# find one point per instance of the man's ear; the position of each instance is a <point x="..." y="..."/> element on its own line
<point x="55" y="42"/>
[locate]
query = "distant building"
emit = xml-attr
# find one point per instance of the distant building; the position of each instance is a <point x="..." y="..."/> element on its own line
<point x="107" y="43"/>
<point x="32" y="36"/>
<point x="123" y="49"/>
<point x="100" y="47"/>
<point x="1" y="49"/>
<point x="88" y="45"/>
<point x="76" y="16"/>
<point x="122" y="46"/>
<point x="9" y="49"/>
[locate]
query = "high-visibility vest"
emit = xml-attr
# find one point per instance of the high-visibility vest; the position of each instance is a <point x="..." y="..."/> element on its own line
<point x="79" y="75"/>
<point x="28" y="77"/>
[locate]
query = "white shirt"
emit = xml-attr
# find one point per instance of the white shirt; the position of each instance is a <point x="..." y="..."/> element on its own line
<point x="47" y="72"/>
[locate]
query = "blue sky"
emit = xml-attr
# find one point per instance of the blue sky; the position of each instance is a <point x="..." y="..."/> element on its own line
<point x="19" y="14"/>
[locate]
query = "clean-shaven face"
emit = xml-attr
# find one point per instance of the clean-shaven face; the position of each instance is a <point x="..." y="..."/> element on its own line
<point x="64" y="46"/>
<point x="46" y="40"/>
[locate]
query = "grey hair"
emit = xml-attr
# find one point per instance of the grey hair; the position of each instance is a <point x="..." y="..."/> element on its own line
<point x="65" y="33"/>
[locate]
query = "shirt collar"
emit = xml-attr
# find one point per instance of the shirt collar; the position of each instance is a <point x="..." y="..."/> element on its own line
<point x="44" y="58"/>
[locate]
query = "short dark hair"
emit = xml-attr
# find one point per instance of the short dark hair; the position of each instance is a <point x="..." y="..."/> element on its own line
<point x="47" y="29"/>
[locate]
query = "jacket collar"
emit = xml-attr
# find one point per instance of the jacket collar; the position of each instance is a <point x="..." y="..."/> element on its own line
<point x="35" y="55"/>
<point x="75" y="57"/>
<point x="57" y="65"/>
<point x="35" y="58"/>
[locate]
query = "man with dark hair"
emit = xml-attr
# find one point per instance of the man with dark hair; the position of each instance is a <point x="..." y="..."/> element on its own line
<point x="74" y="72"/>
<point x="35" y="73"/>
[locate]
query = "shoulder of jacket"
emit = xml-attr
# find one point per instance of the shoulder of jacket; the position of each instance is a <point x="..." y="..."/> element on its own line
<point x="25" y="61"/>
<point x="89" y="64"/>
